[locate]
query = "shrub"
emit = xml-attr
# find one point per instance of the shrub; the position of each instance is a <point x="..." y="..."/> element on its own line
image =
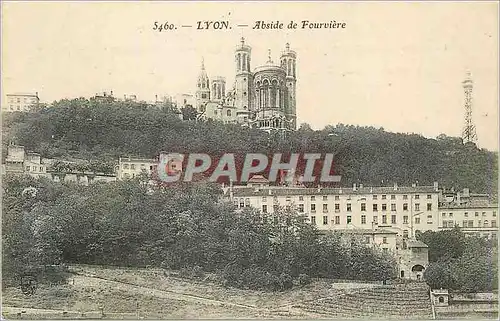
<point x="304" y="279"/>
<point x="195" y="272"/>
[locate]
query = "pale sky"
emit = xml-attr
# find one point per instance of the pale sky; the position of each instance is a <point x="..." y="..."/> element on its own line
<point x="395" y="65"/>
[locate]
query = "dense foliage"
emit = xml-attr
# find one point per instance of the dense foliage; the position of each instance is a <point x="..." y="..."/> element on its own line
<point x="466" y="264"/>
<point x="185" y="227"/>
<point x="92" y="130"/>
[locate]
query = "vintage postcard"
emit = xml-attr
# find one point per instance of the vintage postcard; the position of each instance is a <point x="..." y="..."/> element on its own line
<point x="249" y="160"/>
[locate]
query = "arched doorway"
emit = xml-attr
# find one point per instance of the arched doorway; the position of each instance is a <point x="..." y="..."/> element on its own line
<point x="417" y="272"/>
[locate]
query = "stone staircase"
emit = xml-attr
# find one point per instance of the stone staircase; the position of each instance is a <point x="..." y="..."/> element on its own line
<point x="409" y="301"/>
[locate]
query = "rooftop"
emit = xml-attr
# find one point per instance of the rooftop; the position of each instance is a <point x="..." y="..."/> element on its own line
<point x="285" y="191"/>
<point x="415" y="243"/>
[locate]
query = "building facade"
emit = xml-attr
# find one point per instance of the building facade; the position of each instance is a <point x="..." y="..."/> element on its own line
<point x="264" y="98"/>
<point x="21" y="102"/>
<point x="403" y="210"/>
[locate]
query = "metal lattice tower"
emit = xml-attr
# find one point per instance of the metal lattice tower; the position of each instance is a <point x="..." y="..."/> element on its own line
<point x="469" y="131"/>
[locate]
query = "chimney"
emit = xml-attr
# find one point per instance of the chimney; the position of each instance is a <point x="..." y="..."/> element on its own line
<point x="270" y="193"/>
<point x="414" y="185"/>
<point x="354" y="187"/>
<point x="395" y="186"/>
<point x="111" y="93"/>
<point x="371" y="189"/>
<point x="436" y="186"/>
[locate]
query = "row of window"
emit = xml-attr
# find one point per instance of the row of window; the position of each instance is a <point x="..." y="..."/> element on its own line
<point x="34" y="168"/>
<point x="466" y="214"/>
<point x="142" y="166"/>
<point x="337" y="197"/>
<point x="363" y="207"/>
<point x="470" y="223"/>
<point x="393" y="220"/>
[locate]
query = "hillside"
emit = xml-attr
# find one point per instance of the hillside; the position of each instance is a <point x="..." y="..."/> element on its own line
<point x="150" y="293"/>
<point x="87" y="129"/>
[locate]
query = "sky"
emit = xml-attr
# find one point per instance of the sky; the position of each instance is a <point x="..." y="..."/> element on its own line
<point x="396" y="65"/>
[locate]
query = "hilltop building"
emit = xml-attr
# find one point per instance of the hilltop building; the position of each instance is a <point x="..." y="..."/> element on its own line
<point x="264" y="98"/>
<point x="21" y="102"/>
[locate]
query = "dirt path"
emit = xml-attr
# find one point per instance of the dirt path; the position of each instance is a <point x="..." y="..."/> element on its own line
<point x="93" y="281"/>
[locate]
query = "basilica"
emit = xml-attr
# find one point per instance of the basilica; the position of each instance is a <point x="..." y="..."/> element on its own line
<point x="263" y="98"/>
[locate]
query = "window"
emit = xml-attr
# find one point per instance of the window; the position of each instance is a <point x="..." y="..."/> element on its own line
<point x="405" y="197"/>
<point x="485" y="223"/>
<point x="443" y="214"/>
<point x="363" y="219"/>
<point x="375" y="219"/>
<point x="429" y="206"/>
<point x="325" y="220"/>
<point x="242" y="202"/>
<point x="467" y="214"/>
<point x="337" y="219"/>
<point x="393" y="207"/>
<point x="384" y="207"/>
<point x="348" y="219"/>
<point x="476" y="214"/>
<point x="385" y="250"/>
<point x="301" y="208"/>
<point x="132" y="166"/>
<point x="247" y="202"/>
<point x="228" y="113"/>
<point x="384" y="240"/>
<point x="374" y="197"/>
<point x="367" y="239"/>
<point x="393" y="219"/>
<point x="313" y="198"/>
<point x="484" y="213"/>
<point x="384" y="219"/>
<point x="375" y="209"/>
<point x="417" y="197"/>
<point x="313" y="208"/>
<point x="384" y="197"/>
<point x="125" y="166"/>
<point x="405" y="207"/>
<point x="429" y="196"/>
<point x="363" y="207"/>
<point x="348" y="207"/>
<point x="417" y="220"/>
<point x="493" y="223"/>
<point x="405" y="219"/>
<point x="464" y="223"/>
<point x="494" y="213"/>
<point x="337" y="197"/>
<point x="301" y="198"/>
<point x="325" y="198"/>
<point x="471" y="223"/>
<point x="27" y="168"/>
<point x="393" y="197"/>
<point x="417" y="207"/>
<point x="264" y="208"/>
<point x="313" y="220"/>
<point x="451" y="214"/>
<point x="337" y="207"/>
<point x="288" y="199"/>
<point x="325" y="208"/>
<point x="41" y="169"/>
<point x="275" y="208"/>
<point x="264" y="199"/>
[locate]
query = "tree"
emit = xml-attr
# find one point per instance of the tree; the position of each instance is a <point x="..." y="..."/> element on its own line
<point x="189" y="113"/>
